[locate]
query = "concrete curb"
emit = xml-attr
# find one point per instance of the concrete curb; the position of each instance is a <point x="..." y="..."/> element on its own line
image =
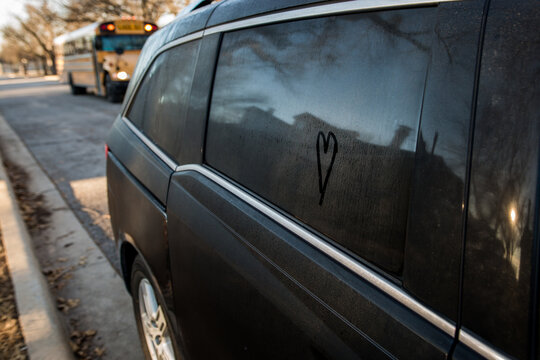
<point x="43" y="333"/>
<point x="105" y="306"/>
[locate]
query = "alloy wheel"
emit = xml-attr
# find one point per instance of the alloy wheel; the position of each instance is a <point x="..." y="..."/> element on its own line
<point x="154" y="324"/>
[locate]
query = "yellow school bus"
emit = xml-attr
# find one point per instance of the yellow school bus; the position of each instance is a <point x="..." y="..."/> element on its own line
<point x="100" y="57"/>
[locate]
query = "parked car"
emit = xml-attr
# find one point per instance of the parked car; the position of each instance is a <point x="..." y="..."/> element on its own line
<point x="301" y="179"/>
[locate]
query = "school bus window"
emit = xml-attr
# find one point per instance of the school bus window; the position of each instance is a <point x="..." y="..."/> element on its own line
<point x="124" y="42"/>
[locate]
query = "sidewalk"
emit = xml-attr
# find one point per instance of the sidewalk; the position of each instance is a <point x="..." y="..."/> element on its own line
<point x="96" y="309"/>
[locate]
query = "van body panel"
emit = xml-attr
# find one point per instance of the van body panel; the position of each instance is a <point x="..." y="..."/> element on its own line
<point x="139" y="160"/>
<point x="254" y="290"/>
<point x="144" y="219"/>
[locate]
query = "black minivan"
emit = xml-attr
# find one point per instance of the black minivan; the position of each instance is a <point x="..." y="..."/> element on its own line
<point x="303" y="179"/>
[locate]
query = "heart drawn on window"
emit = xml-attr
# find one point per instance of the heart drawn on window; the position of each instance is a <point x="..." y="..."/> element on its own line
<point x="325" y="154"/>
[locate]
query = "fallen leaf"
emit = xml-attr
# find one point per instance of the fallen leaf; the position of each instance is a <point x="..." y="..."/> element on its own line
<point x="74" y="347"/>
<point x="73" y="302"/>
<point x="59" y="286"/>
<point x="100" y="351"/>
<point x="75" y="335"/>
<point x="65" y="305"/>
<point x="90" y="332"/>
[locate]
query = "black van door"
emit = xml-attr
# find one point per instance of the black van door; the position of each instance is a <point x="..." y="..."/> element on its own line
<point x="289" y="238"/>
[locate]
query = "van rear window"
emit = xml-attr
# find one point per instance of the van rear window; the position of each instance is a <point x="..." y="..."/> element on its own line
<point x="159" y="108"/>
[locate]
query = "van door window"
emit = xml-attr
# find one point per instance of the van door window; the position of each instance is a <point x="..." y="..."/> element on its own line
<point x="320" y="117"/>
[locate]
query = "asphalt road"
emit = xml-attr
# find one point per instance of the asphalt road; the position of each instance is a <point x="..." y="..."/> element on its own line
<point x="66" y="134"/>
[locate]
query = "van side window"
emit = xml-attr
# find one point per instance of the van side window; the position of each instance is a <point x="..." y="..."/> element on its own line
<point x="320" y="117"/>
<point x="499" y="247"/>
<point x="160" y="106"/>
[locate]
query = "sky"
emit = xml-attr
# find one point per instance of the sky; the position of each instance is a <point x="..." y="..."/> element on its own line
<point x="10" y="8"/>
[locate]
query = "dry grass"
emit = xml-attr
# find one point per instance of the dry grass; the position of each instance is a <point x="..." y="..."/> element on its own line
<point x="12" y="344"/>
<point x="32" y="206"/>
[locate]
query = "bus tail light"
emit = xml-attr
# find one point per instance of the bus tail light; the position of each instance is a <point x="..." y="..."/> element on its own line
<point x="107" y="27"/>
<point x="106" y="151"/>
<point x="149" y="27"/>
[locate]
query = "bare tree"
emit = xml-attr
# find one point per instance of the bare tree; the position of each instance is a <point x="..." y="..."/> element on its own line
<point x="19" y="48"/>
<point x="86" y="11"/>
<point x="36" y="32"/>
<point x="80" y="12"/>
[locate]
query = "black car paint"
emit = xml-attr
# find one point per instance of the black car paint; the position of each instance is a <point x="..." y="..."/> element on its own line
<point x="251" y="288"/>
<point x="237" y="264"/>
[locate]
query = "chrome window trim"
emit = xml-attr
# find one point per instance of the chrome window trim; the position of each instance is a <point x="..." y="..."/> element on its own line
<point x="479" y="346"/>
<point x="347" y="261"/>
<point x="195" y="36"/>
<point x="319" y="10"/>
<point x="153" y="147"/>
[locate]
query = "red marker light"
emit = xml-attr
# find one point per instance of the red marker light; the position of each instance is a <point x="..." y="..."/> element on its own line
<point x="106" y="151"/>
<point x="107" y="27"/>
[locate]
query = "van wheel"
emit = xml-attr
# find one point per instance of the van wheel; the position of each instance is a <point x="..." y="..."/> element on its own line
<point x="76" y="90"/>
<point x="156" y="334"/>
<point x="111" y="95"/>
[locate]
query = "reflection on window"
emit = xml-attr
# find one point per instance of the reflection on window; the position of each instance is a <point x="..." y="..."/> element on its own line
<point x="499" y="249"/>
<point x="320" y="117"/>
<point x="160" y="106"/>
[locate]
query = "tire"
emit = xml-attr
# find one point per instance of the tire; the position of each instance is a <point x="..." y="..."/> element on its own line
<point x="153" y="323"/>
<point x="76" y="90"/>
<point x="111" y="94"/>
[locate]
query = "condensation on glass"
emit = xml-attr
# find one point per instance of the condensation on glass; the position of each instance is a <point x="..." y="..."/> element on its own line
<point x="160" y="106"/>
<point x="321" y="116"/>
